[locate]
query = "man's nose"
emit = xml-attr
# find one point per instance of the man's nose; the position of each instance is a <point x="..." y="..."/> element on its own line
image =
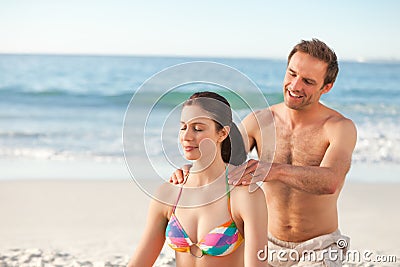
<point x="295" y="85"/>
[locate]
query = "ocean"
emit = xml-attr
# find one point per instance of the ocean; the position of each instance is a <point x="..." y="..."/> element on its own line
<point x="56" y="108"/>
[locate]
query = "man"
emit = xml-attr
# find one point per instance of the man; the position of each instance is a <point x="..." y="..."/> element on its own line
<point x="305" y="168"/>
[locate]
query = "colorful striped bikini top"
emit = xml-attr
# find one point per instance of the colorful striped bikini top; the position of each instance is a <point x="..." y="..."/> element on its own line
<point x="220" y="241"/>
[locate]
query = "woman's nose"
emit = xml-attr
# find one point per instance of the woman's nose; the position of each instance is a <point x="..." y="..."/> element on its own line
<point x="187" y="135"/>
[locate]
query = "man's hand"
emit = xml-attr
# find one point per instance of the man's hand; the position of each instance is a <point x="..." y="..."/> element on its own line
<point x="250" y="172"/>
<point x="180" y="175"/>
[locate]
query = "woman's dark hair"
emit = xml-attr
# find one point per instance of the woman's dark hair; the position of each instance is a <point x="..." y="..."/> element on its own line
<point x="219" y="109"/>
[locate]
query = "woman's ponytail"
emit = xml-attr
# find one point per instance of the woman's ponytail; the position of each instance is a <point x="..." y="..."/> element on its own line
<point x="232" y="149"/>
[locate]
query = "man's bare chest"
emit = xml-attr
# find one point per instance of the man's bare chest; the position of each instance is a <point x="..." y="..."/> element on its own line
<point x="302" y="147"/>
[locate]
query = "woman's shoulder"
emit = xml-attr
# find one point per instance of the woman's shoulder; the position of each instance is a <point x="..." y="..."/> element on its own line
<point x="163" y="197"/>
<point x="248" y="205"/>
<point x="244" y="197"/>
<point x="167" y="193"/>
<point x="243" y="190"/>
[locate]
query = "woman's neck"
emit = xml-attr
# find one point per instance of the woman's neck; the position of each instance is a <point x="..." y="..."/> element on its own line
<point x="202" y="174"/>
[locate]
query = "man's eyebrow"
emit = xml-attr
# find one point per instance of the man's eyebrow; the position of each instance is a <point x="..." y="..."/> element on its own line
<point x="310" y="80"/>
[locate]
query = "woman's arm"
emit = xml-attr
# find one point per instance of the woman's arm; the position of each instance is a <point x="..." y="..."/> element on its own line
<point x="252" y="209"/>
<point x="153" y="237"/>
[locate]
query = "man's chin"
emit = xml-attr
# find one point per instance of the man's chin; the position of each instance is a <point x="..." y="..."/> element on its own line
<point x="291" y="106"/>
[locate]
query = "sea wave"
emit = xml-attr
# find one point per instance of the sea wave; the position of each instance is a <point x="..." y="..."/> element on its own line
<point x="72" y="107"/>
<point x="378" y="142"/>
<point x="61" y="97"/>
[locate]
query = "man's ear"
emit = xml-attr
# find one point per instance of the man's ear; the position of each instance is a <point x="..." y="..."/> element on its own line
<point x="327" y="87"/>
<point x="224" y="133"/>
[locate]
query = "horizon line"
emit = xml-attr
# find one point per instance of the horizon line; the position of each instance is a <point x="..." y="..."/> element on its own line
<point x="359" y="60"/>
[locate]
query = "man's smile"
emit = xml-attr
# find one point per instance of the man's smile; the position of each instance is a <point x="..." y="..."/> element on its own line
<point x="293" y="94"/>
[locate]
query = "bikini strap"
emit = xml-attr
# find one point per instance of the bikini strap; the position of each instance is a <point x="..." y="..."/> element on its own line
<point x="228" y="192"/>
<point x="177" y="200"/>
<point x="180" y="193"/>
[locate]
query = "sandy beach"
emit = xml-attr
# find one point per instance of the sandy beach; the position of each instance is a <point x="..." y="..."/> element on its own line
<point x="99" y="222"/>
<point x="75" y="221"/>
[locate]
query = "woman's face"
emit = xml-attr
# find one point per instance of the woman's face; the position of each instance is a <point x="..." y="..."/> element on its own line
<point x="198" y="134"/>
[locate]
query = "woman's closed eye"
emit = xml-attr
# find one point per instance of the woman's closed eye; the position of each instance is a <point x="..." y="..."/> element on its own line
<point x="196" y="128"/>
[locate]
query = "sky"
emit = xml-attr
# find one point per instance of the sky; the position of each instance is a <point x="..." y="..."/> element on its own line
<point x="356" y="29"/>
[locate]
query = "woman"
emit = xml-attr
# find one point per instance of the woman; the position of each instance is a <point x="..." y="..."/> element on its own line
<point x="230" y="228"/>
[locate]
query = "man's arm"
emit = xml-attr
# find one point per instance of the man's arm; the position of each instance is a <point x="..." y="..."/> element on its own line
<point x="258" y="131"/>
<point x="247" y="128"/>
<point x="330" y="175"/>
<point x="323" y="179"/>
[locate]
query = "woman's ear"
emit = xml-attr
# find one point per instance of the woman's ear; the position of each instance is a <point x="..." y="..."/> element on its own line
<point x="223" y="133"/>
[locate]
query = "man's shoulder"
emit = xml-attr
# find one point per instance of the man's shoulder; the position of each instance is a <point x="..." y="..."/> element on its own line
<point x="268" y="112"/>
<point x="341" y="131"/>
<point x="272" y="108"/>
<point x="335" y="118"/>
<point x="337" y="122"/>
<point x="276" y="108"/>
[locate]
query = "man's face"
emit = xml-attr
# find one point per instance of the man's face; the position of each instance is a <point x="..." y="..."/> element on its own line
<point x="303" y="83"/>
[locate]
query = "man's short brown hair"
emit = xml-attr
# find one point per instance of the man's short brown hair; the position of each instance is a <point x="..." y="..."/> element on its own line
<point x="321" y="51"/>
